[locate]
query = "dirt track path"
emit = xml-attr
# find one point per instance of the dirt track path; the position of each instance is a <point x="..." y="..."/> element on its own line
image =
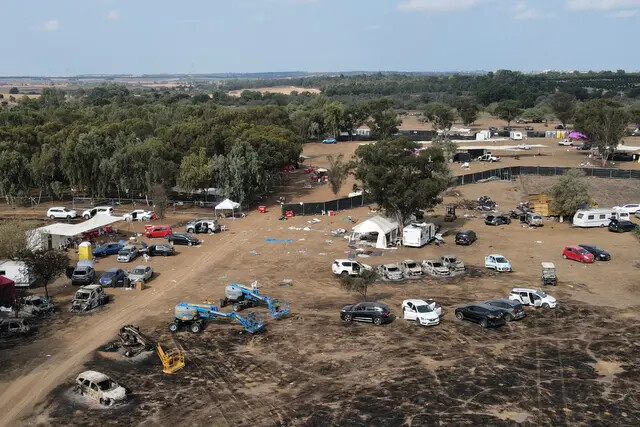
<point x="20" y="396"/>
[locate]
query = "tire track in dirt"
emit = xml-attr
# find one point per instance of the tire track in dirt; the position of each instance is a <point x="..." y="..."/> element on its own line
<point x="23" y="393"/>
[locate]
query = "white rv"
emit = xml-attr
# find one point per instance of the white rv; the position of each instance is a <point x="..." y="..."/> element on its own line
<point x="515" y="135"/>
<point x="597" y="217"/>
<point x="418" y="235"/>
<point x="18" y="272"/>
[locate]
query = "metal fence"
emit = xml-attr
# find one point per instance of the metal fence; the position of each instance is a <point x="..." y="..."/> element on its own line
<point x="509" y="173"/>
<point x="318" y="208"/>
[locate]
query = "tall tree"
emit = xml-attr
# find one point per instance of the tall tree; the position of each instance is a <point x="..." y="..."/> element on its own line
<point x="634" y="114"/>
<point x="468" y="110"/>
<point x="570" y="192"/>
<point x="14" y="175"/>
<point x="46" y="265"/>
<point x="337" y="172"/>
<point x="196" y="171"/>
<point x="441" y="116"/>
<point x="508" y="110"/>
<point x="160" y="200"/>
<point x="246" y="177"/>
<point x="604" y="121"/>
<point x="564" y="106"/>
<point x="384" y="121"/>
<point x="333" y="114"/>
<point x="398" y="180"/>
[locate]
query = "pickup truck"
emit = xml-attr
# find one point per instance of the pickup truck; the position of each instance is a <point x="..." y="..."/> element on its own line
<point x="488" y="157"/>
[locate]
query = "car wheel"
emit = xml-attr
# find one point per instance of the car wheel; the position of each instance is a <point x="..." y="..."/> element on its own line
<point x="581" y="260"/>
<point x="52" y="216"/>
<point x="377" y="321"/>
<point x="508" y="317"/>
<point x="173" y="327"/>
<point x="564" y="256"/>
<point x="189" y="244"/>
<point x="418" y="322"/>
<point x="68" y="216"/>
<point x="344" y="274"/>
<point x="195" y="327"/>
<point x="459" y="315"/>
<point x="102" y="402"/>
<point x="546" y="306"/>
<point x="483" y="323"/>
<point x="237" y="307"/>
<point x="347" y="317"/>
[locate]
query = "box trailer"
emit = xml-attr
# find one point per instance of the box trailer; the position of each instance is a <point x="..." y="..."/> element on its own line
<point x="17" y="271"/>
<point x="418" y="235"/>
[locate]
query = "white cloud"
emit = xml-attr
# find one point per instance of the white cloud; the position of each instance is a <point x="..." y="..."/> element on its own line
<point x="436" y="5"/>
<point x="50" y="25"/>
<point x="113" y="15"/>
<point x="623" y="14"/>
<point x="522" y="12"/>
<point x="602" y="5"/>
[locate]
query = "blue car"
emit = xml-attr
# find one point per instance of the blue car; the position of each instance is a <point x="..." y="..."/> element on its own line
<point x="114" y="277"/>
<point x="108" y="249"/>
<point x="330" y="141"/>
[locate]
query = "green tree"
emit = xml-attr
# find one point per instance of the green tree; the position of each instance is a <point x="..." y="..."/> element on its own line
<point x="46" y="265"/>
<point x="441" y="116"/>
<point x="13" y="237"/>
<point x="570" y="192"/>
<point x="14" y="91"/>
<point x="508" y="110"/>
<point x="634" y="114"/>
<point x="333" y="115"/>
<point x="43" y="168"/>
<point x="359" y="284"/>
<point x="196" y="171"/>
<point x="384" y="121"/>
<point x="245" y="174"/>
<point x="14" y="175"/>
<point x="447" y="146"/>
<point x="160" y="200"/>
<point x="337" y="172"/>
<point x="605" y="122"/>
<point x="564" y="106"/>
<point x="467" y="110"/>
<point x="399" y="182"/>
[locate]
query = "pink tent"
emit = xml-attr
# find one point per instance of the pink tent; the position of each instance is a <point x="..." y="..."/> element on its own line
<point x="577" y="135"/>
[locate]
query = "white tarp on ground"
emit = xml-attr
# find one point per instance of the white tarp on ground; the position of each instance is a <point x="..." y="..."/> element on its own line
<point x="61" y="233"/>
<point x="387" y="230"/>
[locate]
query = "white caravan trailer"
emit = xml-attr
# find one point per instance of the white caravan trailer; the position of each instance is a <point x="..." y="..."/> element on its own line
<point x="597" y="217"/>
<point x="418" y="235"/>
<point x="18" y="272"/>
<point x="515" y="135"/>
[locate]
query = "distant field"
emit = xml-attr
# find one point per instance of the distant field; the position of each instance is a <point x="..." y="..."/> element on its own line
<point x="286" y="90"/>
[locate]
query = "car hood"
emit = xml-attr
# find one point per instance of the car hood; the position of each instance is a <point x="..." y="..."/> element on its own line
<point x="550" y="299"/>
<point x="118" y="393"/>
<point x="432" y="315"/>
<point x="135" y="276"/>
<point x="347" y="307"/>
<point x="106" y="279"/>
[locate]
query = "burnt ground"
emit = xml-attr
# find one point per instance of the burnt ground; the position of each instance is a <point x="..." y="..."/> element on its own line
<point x="574" y="365"/>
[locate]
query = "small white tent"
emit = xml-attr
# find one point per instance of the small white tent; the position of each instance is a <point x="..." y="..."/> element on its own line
<point x="387" y="230"/>
<point x="228" y="205"/>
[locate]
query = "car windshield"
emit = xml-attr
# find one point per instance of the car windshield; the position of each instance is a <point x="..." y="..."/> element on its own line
<point x="106" y="385"/>
<point x="138" y="271"/>
<point x="66" y="210"/>
<point x="583" y="252"/>
<point x="501" y="260"/>
<point x="392" y="269"/>
<point x="109" y="274"/>
<point x="80" y="271"/>
<point x="424" y="309"/>
<point x="82" y="295"/>
<point x="124" y="252"/>
<point x="543" y="294"/>
<point x="411" y="265"/>
<point x="437" y="264"/>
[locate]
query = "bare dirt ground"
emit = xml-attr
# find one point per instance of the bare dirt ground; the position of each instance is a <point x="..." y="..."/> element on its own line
<point x="575" y="365"/>
<point x="286" y="90"/>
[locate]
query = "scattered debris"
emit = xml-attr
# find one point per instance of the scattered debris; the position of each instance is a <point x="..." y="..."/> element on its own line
<point x="172" y="361"/>
<point x="272" y="240"/>
<point x="286" y="282"/>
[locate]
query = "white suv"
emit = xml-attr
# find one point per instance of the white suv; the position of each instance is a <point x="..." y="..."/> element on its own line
<point x="60" y="212"/>
<point x="533" y="297"/>
<point x="347" y="267"/>
<point x="98" y="210"/>
<point x="630" y="208"/>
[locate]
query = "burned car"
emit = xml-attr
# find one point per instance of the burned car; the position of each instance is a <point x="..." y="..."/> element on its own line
<point x="12" y="327"/>
<point x="35" y="305"/>
<point x="89" y="297"/>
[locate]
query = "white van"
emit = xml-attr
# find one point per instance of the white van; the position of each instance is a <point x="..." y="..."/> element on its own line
<point x="18" y="272"/>
<point x="515" y="135"/>
<point x="418" y="235"/>
<point x="598" y="217"/>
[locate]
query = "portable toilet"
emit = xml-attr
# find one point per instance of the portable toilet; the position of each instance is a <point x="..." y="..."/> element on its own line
<point x="85" y="251"/>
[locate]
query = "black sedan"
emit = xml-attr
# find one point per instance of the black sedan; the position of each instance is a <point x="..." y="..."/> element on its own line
<point x="483" y="314"/>
<point x="621" y="226"/>
<point x="497" y="220"/>
<point x="182" y="239"/>
<point x="160" y="250"/>
<point x="372" y="312"/>
<point x="599" y="254"/>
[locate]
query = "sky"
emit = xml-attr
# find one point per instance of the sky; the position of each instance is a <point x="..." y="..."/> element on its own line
<point x="71" y="37"/>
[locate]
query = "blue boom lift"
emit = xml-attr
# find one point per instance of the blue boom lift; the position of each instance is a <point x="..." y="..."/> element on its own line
<point x="242" y="296"/>
<point x="193" y="316"/>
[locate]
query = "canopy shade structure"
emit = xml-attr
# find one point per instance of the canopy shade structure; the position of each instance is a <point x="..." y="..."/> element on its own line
<point x="7" y="291"/>
<point x="228" y="205"/>
<point x="386" y="229"/>
<point x="577" y="135"/>
<point x="56" y="234"/>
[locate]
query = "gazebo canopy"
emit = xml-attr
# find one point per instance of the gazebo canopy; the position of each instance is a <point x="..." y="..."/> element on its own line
<point x="228" y="205"/>
<point x="577" y="135"/>
<point x="387" y="230"/>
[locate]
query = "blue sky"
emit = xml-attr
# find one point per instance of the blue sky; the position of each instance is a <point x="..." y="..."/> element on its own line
<point x="69" y="37"/>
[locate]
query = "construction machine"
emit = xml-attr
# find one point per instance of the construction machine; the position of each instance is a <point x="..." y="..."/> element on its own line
<point x="450" y="216"/>
<point x="194" y="316"/>
<point x="242" y="296"/>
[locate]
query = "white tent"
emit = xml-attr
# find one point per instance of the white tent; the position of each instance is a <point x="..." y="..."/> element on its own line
<point x="387" y="230"/>
<point x="56" y="235"/>
<point x="228" y="205"/>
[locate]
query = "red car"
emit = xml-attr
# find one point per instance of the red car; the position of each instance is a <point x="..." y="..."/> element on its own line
<point x="577" y="253"/>
<point x="157" y="231"/>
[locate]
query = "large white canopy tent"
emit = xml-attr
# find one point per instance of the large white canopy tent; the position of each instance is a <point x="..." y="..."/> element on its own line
<point x="387" y="230"/>
<point x="228" y="205"/>
<point x="56" y="235"/>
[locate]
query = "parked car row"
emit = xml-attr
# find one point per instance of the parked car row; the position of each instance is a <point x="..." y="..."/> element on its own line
<point x="407" y="269"/>
<point x="489" y="313"/>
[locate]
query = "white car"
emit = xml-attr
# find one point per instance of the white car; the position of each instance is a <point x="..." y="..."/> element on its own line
<point x="497" y="262"/>
<point x="100" y="387"/>
<point x="630" y="208"/>
<point x="411" y="269"/>
<point x="138" y="215"/>
<point x="488" y="157"/>
<point x="347" y="267"/>
<point x="427" y="313"/>
<point x="435" y="268"/>
<point x="533" y="297"/>
<point x="140" y="273"/>
<point x="98" y="210"/>
<point x="61" y="212"/>
<point x="452" y="262"/>
<point x="390" y="272"/>
<point x="566" y="143"/>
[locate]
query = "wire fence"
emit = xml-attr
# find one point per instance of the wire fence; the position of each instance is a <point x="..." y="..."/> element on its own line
<point x="509" y="173"/>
